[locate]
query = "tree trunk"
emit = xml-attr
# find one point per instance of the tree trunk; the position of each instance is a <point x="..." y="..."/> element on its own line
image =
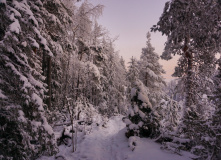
<point x="72" y="133"/>
<point x="146" y="79"/>
<point x="72" y="124"/>
<point x="78" y="83"/>
<point x="189" y="79"/>
<point x="49" y="82"/>
<point x="189" y="85"/>
<point x="66" y="81"/>
<point x="78" y="115"/>
<point x="76" y="136"/>
<point x="44" y="64"/>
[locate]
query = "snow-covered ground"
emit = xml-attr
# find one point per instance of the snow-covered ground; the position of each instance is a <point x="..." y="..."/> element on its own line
<point x="110" y="143"/>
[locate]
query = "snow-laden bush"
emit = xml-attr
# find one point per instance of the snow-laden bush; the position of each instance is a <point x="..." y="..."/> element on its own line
<point x="170" y="116"/>
<point x="142" y="120"/>
<point x="198" y="137"/>
<point x="133" y="142"/>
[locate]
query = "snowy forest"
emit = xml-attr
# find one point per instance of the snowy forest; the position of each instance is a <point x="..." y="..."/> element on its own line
<point x="66" y="93"/>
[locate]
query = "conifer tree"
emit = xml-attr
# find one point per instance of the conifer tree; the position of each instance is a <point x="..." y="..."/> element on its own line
<point x="25" y="132"/>
<point x="146" y="84"/>
<point x="133" y="71"/>
<point x="192" y="28"/>
<point x="187" y="39"/>
<point x="142" y="120"/>
<point x="150" y="72"/>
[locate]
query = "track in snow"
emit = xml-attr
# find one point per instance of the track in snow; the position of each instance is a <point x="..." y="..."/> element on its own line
<point x="101" y="143"/>
<point x="110" y="143"/>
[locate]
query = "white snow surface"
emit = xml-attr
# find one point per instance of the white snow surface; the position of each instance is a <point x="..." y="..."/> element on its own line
<point x="15" y="27"/>
<point x="2" y="96"/>
<point x="21" y="116"/>
<point x="110" y="143"/>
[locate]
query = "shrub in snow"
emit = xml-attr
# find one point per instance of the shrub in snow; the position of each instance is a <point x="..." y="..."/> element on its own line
<point x="142" y="120"/>
<point x="133" y="142"/>
<point x="170" y="116"/>
<point x="198" y="136"/>
<point x="65" y="137"/>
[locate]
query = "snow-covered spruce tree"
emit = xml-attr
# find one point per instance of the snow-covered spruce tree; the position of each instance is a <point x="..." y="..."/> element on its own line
<point x="202" y="89"/>
<point x="132" y="75"/>
<point x="190" y="33"/>
<point x="133" y="72"/>
<point x="57" y="27"/>
<point x="146" y="79"/>
<point x="24" y="129"/>
<point x="201" y="123"/>
<point x="193" y="29"/>
<point x="150" y="72"/>
<point x="113" y="81"/>
<point x="142" y="120"/>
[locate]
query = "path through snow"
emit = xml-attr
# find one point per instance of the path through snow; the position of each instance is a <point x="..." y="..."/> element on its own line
<point x="110" y="143"/>
<point x="101" y="144"/>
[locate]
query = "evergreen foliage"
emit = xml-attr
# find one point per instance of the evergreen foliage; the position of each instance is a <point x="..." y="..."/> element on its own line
<point x="150" y="72"/>
<point x="146" y="84"/>
<point x="58" y="66"/>
<point x="193" y="31"/>
<point x="52" y="57"/>
<point x="25" y="132"/>
<point x="143" y="120"/>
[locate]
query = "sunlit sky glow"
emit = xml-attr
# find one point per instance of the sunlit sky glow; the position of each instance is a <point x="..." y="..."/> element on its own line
<point x="131" y="20"/>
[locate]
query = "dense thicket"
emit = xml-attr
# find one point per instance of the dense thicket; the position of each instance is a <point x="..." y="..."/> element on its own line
<point x="25" y="132"/>
<point x="193" y="31"/>
<point x="57" y="63"/>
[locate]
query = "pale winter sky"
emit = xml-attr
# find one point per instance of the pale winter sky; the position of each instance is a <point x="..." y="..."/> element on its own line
<point x="131" y="20"/>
